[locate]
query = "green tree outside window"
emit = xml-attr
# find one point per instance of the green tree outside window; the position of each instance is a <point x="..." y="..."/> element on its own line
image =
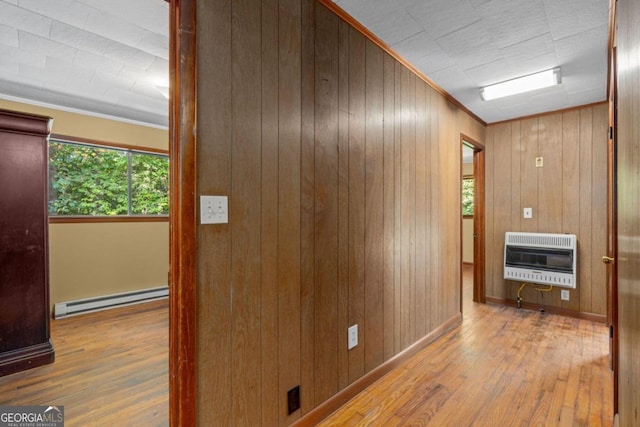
<point x="467" y="196"/>
<point x="100" y="181"/>
<point x="149" y="184"/>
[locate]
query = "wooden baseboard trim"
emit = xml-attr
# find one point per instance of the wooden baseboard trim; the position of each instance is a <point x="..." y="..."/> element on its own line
<point x="599" y="318"/>
<point x="326" y="408"/>
<point x="26" y="358"/>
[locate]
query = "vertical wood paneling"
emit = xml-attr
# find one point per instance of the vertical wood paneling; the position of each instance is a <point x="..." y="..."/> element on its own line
<point x="571" y="185"/>
<point x="516" y="205"/>
<point x="342" y="171"/>
<point x="326" y="204"/>
<point x="410" y="210"/>
<point x="397" y="160"/>
<point x="389" y="203"/>
<point x="570" y="171"/>
<point x="491" y="286"/>
<point x="599" y="211"/>
<point x="244" y="208"/>
<point x="374" y="197"/>
<point x="472" y="128"/>
<point x="269" y="216"/>
<point x="430" y="95"/>
<point x="357" y="61"/>
<point x="451" y="207"/>
<point x="407" y="209"/>
<point x="214" y="378"/>
<point x="501" y="199"/>
<point x="343" y="208"/>
<point x="550" y="176"/>
<point x="436" y="215"/>
<point x="516" y="192"/>
<point x="289" y="213"/>
<point x="529" y="182"/>
<point x="307" y="207"/>
<point x="586" y="202"/>
<point x="531" y="131"/>
<point x="567" y="194"/>
<point x="421" y="213"/>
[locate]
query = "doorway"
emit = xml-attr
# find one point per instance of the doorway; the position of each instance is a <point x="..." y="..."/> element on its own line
<point x="472" y="221"/>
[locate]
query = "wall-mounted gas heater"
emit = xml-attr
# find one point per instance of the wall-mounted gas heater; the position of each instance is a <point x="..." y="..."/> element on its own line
<point x="549" y="259"/>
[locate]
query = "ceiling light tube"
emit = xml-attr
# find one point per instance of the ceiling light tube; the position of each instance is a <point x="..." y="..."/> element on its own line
<point x="528" y="83"/>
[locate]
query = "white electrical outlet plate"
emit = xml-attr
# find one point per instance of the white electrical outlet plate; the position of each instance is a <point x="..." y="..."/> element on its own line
<point x="353" y="336"/>
<point x="214" y="210"/>
<point x="564" y="295"/>
<point x="539" y="162"/>
<point x="527" y="213"/>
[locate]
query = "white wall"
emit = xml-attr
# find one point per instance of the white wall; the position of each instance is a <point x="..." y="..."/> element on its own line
<point x="467" y="240"/>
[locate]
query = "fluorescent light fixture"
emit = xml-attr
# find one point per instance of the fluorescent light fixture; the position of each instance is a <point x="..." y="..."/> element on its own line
<point x="528" y="83"/>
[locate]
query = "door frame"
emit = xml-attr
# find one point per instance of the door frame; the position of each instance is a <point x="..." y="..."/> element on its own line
<point x="612" y="211"/>
<point x="182" y="218"/>
<point x="479" y="293"/>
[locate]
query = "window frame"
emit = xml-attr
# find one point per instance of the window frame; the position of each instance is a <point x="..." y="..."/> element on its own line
<point x="66" y="219"/>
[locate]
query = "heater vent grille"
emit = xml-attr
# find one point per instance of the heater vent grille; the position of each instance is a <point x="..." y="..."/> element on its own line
<point x="566" y="241"/>
<point x="541" y="258"/>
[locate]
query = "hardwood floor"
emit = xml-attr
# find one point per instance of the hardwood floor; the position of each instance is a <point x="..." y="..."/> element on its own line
<point x="111" y="369"/>
<point x="501" y="367"/>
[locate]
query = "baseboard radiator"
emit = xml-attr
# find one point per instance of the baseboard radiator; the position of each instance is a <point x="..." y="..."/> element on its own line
<point x="72" y="308"/>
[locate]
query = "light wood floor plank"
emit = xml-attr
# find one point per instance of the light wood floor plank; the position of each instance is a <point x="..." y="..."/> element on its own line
<point x="501" y="367"/>
<point x="111" y="369"/>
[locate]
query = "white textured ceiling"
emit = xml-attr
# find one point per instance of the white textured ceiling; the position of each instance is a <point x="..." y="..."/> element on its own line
<point x="464" y="44"/>
<point x="101" y="56"/>
<point x="107" y="56"/>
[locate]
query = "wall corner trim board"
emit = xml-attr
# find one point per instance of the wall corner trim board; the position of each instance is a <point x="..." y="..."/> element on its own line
<point x="328" y="407"/>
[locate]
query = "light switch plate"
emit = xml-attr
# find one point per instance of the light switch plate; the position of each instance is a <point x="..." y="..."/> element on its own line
<point x="527" y="213"/>
<point x="539" y="162"/>
<point x="214" y="210"/>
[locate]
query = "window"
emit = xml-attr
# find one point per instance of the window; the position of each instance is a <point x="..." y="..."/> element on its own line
<point x="92" y="180"/>
<point x="467" y="196"/>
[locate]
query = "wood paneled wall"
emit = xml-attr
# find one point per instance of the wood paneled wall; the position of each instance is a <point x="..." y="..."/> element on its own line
<point x="628" y="258"/>
<point x="342" y="169"/>
<point x="568" y="195"/>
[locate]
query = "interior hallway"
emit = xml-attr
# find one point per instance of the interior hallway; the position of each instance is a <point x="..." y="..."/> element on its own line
<point x="501" y="367"/>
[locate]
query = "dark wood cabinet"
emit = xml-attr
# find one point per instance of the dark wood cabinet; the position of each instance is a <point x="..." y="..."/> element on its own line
<point x="24" y="263"/>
